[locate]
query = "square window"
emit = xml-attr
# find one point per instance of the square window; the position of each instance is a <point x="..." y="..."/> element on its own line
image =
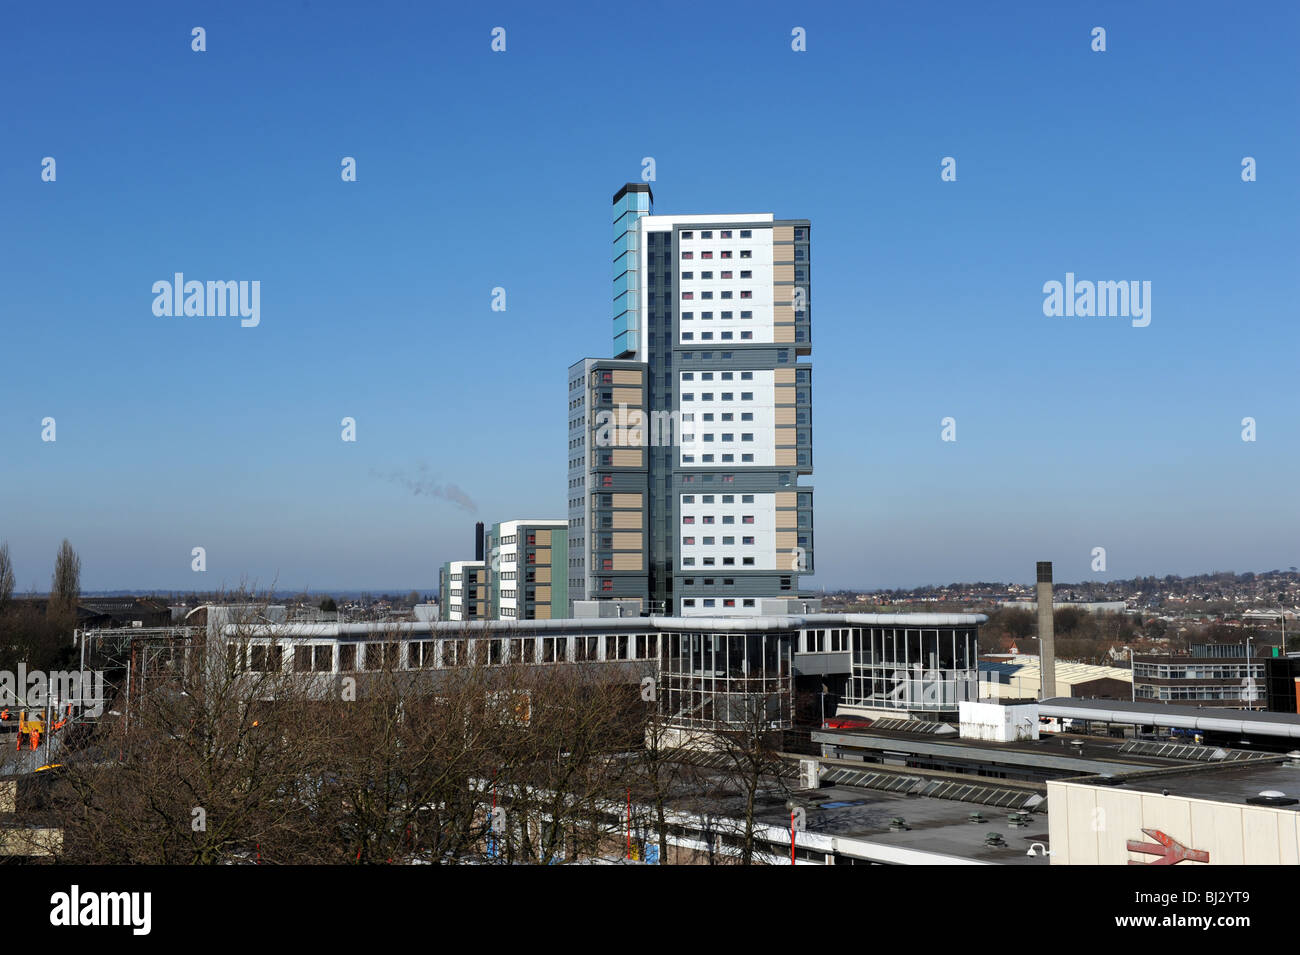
<point x="688" y="275"/>
<point x="707" y="234"/>
<point x="746" y="234"/>
<point x="706" y="255"/>
<point x="687" y="316"/>
<point x="688" y="296"/>
<point x="688" y="235"/>
<point x="746" y="335"/>
<point x="746" y="274"/>
<point x="724" y="234"/>
<point x="746" y="459"/>
<point x="726" y="275"/>
<point x="706" y="275"/>
<point x="688" y="255"/>
<point x="746" y="294"/>
<point x="746" y="254"/>
<point x="746" y="314"/>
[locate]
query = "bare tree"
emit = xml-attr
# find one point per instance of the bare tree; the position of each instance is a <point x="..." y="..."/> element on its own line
<point x="751" y="746"/>
<point x="65" y="586"/>
<point x="6" y="576"/>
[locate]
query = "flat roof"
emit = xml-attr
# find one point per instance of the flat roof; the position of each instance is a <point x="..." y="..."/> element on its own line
<point x="1215" y="719"/>
<point x="859" y="820"/>
<point x="1220" y="782"/>
<point x="1083" y="755"/>
<point x="767" y="622"/>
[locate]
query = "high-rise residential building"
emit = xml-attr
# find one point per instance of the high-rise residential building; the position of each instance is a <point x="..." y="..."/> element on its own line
<point x="528" y="570"/>
<point x="463" y="590"/>
<point x="609" y="462"/>
<point x="716" y="310"/>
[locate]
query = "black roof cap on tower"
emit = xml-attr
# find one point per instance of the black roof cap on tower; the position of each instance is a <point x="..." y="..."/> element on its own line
<point x="634" y="187"/>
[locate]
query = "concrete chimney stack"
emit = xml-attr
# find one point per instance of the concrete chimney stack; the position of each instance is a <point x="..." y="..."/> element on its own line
<point x="478" y="541"/>
<point x="1046" y="632"/>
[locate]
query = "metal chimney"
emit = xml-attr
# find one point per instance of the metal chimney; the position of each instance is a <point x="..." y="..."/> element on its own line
<point x="1046" y="632"/>
<point x="478" y="541"/>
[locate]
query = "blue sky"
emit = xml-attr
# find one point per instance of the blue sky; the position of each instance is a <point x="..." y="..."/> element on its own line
<point x="479" y="169"/>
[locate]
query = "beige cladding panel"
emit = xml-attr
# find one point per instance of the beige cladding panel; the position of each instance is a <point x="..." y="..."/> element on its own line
<point x="627" y="458"/>
<point x="783" y="233"/>
<point x="543" y="594"/>
<point x="543" y="555"/>
<point x="783" y="394"/>
<point x="786" y="540"/>
<point x="785" y="457"/>
<point x="626" y="376"/>
<point x="629" y="561"/>
<point x="627" y="500"/>
<point x="783" y="273"/>
<point x="784" y="436"/>
<point x="627" y="520"/>
<point x="785" y="415"/>
<point x="542" y="612"/>
<point x="627" y="396"/>
<point x="782" y="314"/>
<point x="543" y="538"/>
<point x="786" y="499"/>
<point x="783" y="376"/>
<point x="782" y="333"/>
<point x="625" y="540"/>
<point x="543" y="575"/>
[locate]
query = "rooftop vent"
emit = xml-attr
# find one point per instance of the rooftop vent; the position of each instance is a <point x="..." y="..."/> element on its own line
<point x="1272" y="797"/>
<point x="994" y="839"/>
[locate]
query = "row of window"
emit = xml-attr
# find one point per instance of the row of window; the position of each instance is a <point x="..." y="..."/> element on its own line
<point x="746" y="458"/>
<point x="718" y="602"/>
<point x="726" y="499"/>
<point x="726" y="416"/>
<point x="782" y="356"/>
<point x="724" y="254"/>
<point x="724" y="336"/>
<point x="707" y="296"/>
<point x="707" y="276"/>
<point x="726" y="396"/>
<point x="725" y="436"/>
<point x="712" y="562"/>
<point x="708" y="316"/>
<point x="711" y="519"/>
<point x="722" y="234"/>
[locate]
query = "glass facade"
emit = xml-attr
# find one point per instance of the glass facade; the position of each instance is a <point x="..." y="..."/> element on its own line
<point x="712" y="680"/>
<point x="628" y="209"/>
<point x="907" y="668"/>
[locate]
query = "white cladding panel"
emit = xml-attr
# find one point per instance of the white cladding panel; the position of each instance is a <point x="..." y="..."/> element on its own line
<point x="702" y="520"/>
